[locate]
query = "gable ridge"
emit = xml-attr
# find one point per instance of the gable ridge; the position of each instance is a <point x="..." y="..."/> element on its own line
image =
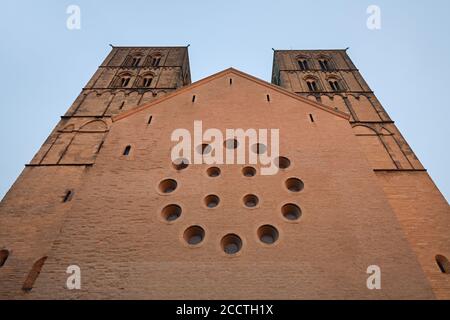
<point x="238" y="73"/>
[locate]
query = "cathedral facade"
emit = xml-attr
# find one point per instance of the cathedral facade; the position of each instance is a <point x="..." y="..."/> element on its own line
<point x="350" y="212"/>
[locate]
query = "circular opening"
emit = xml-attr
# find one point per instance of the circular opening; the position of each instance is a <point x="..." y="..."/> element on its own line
<point x="167" y="186"/>
<point x="248" y="171"/>
<point x="231" y="144"/>
<point x="194" y="235"/>
<point x="204" y="148"/>
<point x="291" y="211"/>
<point x="231" y="243"/>
<point x="282" y="162"/>
<point x="212" y="201"/>
<point x="250" y="200"/>
<point x="259" y="148"/>
<point x="171" y="212"/>
<point x="213" y="172"/>
<point x="268" y="234"/>
<point x="294" y="184"/>
<point x="180" y="163"/>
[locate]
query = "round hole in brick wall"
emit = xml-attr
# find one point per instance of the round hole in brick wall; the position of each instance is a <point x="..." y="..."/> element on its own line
<point x="268" y="234"/>
<point x="204" y="148"/>
<point x="250" y="200"/>
<point x="443" y="263"/>
<point x="231" y="143"/>
<point x="248" y="171"/>
<point x="259" y="148"/>
<point x="194" y="235"/>
<point x="167" y="186"/>
<point x="291" y="211"/>
<point x="282" y="162"/>
<point x="171" y="212"/>
<point x="231" y="243"/>
<point x="212" y="201"/>
<point x="4" y="254"/>
<point x="294" y="184"/>
<point x="213" y="172"/>
<point x="180" y="163"/>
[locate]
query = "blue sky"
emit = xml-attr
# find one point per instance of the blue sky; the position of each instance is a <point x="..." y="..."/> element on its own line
<point x="45" y="65"/>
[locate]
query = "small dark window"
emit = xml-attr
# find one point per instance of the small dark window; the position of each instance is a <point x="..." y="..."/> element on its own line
<point x="324" y="65"/>
<point x="311" y="117"/>
<point x="147" y="81"/>
<point x="150" y="120"/>
<point x="268" y="98"/>
<point x="193" y="98"/>
<point x="312" y="85"/>
<point x="4" y="254"/>
<point x="231" y="81"/>
<point x="127" y="150"/>
<point x="68" y="196"/>
<point x="303" y="64"/>
<point x="156" y="61"/>
<point x="33" y="274"/>
<point x="124" y="81"/>
<point x="334" y="85"/>
<point x="135" y="61"/>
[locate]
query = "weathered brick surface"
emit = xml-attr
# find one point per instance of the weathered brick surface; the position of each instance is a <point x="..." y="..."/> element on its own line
<point x="115" y="233"/>
<point x="112" y="226"/>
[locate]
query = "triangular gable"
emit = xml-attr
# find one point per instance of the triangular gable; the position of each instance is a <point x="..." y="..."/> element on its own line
<point x="238" y="73"/>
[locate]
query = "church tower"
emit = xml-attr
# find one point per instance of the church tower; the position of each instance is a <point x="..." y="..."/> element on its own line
<point x="33" y="210"/>
<point x="330" y="78"/>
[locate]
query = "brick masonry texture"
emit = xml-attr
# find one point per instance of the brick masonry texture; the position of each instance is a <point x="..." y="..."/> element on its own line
<point x="366" y="201"/>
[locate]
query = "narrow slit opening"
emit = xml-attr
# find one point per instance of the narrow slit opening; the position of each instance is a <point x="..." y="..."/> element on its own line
<point x="311" y="117"/>
<point x="68" y="196"/>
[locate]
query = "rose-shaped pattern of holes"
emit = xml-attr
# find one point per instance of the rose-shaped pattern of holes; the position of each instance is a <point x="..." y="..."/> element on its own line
<point x="212" y="201"/>
<point x="294" y="184"/>
<point x="250" y="200"/>
<point x="171" y="212"/>
<point x="167" y="186"/>
<point x="194" y="235"/>
<point x="180" y="163"/>
<point x="213" y="172"/>
<point x="291" y="211"/>
<point x="231" y="243"/>
<point x="248" y="171"/>
<point x="282" y="162"/>
<point x="268" y="234"/>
